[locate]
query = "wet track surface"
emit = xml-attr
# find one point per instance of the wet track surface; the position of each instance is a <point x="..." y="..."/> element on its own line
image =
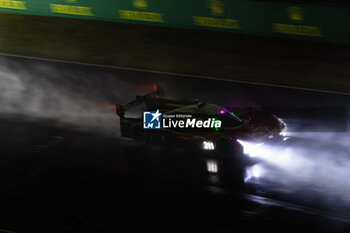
<point x="64" y="167"/>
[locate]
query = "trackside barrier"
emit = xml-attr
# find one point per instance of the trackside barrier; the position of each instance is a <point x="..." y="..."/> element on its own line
<point x="293" y="20"/>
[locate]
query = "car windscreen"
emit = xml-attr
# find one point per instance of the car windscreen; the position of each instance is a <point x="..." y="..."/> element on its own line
<point x="229" y="120"/>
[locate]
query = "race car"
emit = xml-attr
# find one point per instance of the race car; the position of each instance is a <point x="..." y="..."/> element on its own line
<point x="225" y="134"/>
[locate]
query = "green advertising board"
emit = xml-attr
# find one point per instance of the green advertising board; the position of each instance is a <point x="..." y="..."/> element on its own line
<point x="292" y="20"/>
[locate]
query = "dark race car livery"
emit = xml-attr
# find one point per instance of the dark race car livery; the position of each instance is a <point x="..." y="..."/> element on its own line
<point x="249" y="126"/>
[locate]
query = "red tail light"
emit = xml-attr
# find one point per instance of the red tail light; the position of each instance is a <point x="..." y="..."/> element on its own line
<point x="158" y="90"/>
<point x="117" y="108"/>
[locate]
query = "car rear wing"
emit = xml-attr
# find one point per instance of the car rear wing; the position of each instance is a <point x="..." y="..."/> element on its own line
<point x="157" y="92"/>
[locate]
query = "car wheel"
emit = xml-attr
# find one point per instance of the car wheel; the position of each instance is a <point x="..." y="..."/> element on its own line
<point x="224" y="147"/>
<point x="137" y="134"/>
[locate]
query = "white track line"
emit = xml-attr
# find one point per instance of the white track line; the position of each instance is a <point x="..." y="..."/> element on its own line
<point x="272" y="202"/>
<point x="174" y="74"/>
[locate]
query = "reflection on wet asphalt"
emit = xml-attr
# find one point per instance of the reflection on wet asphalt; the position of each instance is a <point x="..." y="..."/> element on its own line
<point x="90" y="182"/>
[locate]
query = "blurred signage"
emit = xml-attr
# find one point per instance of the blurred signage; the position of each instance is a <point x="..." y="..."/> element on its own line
<point x="296" y="27"/>
<point x="69" y="9"/>
<point x="140" y="13"/>
<point x="216" y="7"/>
<point x="140" y="4"/>
<point x="17" y="5"/>
<point x="216" y="20"/>
<point x="250" y="17"/>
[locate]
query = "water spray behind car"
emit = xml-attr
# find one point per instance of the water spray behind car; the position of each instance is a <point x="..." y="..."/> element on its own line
<point x="317" y="171"/>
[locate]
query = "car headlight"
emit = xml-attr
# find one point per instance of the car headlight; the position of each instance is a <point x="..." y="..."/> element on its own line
<point x="284" y="132"/>
<point x="250" y="149"/>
